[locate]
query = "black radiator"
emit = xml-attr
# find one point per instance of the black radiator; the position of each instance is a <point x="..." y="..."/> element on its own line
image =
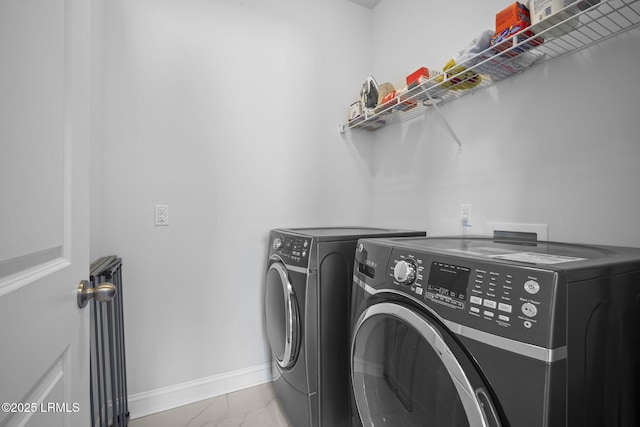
<point x="109" y="404"/>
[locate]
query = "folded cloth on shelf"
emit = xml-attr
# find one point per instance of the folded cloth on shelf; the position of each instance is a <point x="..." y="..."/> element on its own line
<point x="457" y="66"/>
<point x="463" y="79"/>
<point x="477" y="45"/>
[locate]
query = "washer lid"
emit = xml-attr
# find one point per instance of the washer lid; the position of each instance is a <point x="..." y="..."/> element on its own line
<point x="530" y="252"/>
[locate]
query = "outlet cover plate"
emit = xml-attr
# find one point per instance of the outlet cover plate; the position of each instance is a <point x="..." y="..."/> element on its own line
<point x="161" y="215"/>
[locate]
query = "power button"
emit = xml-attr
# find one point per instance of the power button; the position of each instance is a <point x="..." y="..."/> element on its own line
<point x="532" y="287"/>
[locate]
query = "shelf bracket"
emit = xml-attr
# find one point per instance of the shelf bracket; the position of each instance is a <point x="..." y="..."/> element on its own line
<point x="445" y="121"/>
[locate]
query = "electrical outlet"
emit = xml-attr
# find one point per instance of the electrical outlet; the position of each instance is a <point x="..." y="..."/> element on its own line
<point x="161" y="215"/>
<point x="465" y="214"/>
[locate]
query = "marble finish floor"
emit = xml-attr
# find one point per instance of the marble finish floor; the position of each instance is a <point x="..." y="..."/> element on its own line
<point x="252" y="407"/>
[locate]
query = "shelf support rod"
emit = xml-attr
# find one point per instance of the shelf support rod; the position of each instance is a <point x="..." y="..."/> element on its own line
<point x="446" y="122"/>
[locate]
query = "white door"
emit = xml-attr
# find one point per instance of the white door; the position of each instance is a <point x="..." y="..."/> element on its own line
<point x="44" y="215"/>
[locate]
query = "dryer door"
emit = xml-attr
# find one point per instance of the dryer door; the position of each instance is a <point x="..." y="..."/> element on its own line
<point x="407" y="370"/>
<point x="282" y="316"/>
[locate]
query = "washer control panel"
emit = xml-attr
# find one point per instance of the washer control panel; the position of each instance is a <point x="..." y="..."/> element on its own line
<point x="513" y="301"/>
<point x="294" y="250"/>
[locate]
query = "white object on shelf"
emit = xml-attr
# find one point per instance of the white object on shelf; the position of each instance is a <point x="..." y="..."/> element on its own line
<point x="557" y="14"/>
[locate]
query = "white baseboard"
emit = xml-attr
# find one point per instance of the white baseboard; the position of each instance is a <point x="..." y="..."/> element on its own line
<point x="162" y="399"/>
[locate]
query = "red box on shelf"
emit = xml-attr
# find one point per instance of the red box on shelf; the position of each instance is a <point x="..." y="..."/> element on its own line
<point x="511" y="15"/>
<point x="415" y="76"/>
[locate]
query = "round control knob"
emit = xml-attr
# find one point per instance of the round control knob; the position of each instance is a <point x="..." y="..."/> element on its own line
<point x="277" y="243"/>
<point x="532" y="287"/>
<point x="405" y="272"/>
<point x="529" y="309"/>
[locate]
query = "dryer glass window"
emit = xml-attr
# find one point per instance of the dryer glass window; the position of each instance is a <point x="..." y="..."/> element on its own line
<point x="399" y="379"/>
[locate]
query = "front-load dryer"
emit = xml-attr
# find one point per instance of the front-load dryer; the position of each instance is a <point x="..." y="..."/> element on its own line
<point x="308" y="285"/>
<point x="483" y="332"/>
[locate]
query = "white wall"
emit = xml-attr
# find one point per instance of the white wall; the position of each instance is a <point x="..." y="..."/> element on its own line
<point x="227" y="111"/>
<point x="557" y="145"/>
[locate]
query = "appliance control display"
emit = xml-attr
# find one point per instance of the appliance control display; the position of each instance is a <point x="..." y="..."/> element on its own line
<point x="514" y="302"/>
<point x="448" y="280"/>
<point x="292" y="248"/>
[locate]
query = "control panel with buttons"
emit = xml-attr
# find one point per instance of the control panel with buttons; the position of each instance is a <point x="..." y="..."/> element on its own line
<point x="293" y="250"/>
<point x="504" y="299"/>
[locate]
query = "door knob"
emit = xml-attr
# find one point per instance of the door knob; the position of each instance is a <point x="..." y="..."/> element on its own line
<point x="104" y="292"/>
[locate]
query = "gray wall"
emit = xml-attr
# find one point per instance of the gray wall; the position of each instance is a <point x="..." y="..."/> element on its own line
<point x="228" y="112"/>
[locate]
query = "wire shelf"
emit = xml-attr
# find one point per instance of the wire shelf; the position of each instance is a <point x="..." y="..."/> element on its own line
<point x="581" y="24"/>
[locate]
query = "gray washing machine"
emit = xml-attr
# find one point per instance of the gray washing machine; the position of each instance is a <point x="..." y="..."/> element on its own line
<point x="308" y="285"/>
<point x="484" y="332"/>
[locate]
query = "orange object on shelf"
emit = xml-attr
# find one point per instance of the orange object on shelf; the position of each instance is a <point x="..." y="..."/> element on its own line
<point x="387" y="101"/>
<point x="388" y="97"/>
<point x="511" y="15"/>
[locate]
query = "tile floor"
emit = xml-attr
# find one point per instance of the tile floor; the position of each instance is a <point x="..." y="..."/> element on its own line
<point x="252" y="407"/>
